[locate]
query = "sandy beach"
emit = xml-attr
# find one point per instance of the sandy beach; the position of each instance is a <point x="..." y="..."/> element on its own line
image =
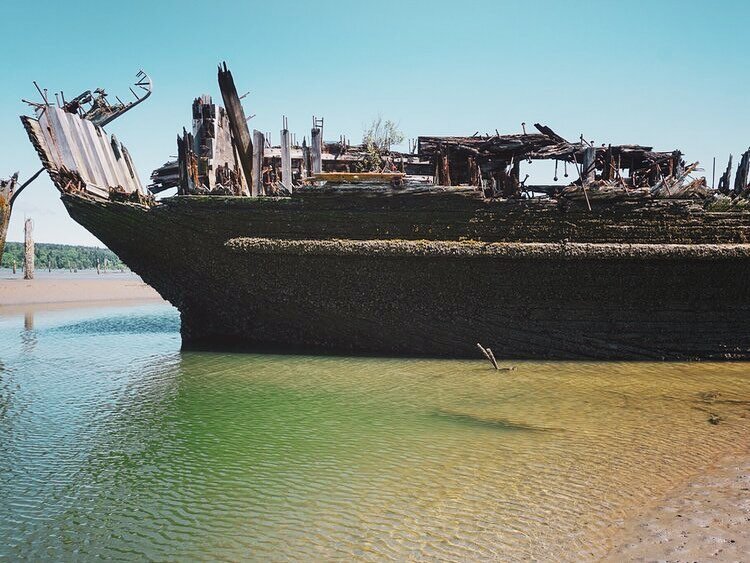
<point x="49" y="290"/>
<point x="707" y="519"/>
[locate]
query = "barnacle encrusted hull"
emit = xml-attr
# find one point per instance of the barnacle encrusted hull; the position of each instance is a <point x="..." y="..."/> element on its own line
<point x="4" y="220"/>
<point x="435" y="273"/>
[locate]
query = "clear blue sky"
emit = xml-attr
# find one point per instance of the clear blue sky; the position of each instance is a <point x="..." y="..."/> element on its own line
<point x="666" y="73"/>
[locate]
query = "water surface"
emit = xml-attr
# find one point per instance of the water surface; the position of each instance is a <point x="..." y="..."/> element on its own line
<point x="115" y="444"/>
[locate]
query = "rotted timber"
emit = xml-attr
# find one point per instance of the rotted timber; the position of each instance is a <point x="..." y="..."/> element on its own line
<point x="426" y="292"/>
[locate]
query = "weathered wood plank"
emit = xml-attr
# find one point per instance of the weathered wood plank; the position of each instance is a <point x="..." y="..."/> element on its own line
<point x="238" y="125"/>
<point x="286" y="159"/>
<point x="588" y="167"/>
<point x="726" y="179"/>
<point x="740" y="181"/>
<point x="316" y="149"/>
<point x="259" y="145"/>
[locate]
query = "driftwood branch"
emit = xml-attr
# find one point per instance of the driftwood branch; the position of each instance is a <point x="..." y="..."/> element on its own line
<point x="489" y="355"/>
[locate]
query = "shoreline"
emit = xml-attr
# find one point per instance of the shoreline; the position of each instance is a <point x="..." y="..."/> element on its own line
<point x="705" y="518"/>
<point x="54" y="291"/>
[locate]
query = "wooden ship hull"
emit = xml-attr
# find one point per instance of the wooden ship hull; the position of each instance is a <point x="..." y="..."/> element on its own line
<point x="357" y="275"/>
<point x="295" y="248"/>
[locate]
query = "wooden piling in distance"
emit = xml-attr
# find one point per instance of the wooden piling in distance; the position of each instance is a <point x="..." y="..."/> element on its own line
<point x="28" y="240"/>
<point x="286" y="158"/>
<point x="259" y="146"/>
<point x="238" y="125"/>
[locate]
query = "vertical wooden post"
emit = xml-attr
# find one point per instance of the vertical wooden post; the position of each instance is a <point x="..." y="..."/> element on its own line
<point x="515" y="176"/>
<point x="238" y="125"/>
<point x="726" y="179"/>
<point x="14" y="265"/>
<point x="286" y="158"/>
<point x="442" y="168"/>
<point x="316" y="137"/>
<point x="740" y="181"/>
<point x="609" y="165"/>
<point x="28" y="270"/>
<point x="259" y="145"/>
<point x="306" y="167"/>
<point x="187" y="164"/>
<point x="588" y="167"/>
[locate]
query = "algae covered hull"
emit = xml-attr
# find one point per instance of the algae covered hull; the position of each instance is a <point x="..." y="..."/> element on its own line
<point x="359" y="248"/>
<point x="434" y="274"/>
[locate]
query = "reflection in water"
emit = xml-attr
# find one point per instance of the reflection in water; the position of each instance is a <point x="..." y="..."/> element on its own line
<point x="28" y="336"/>
<point x="115" y="444"/>
<point x="28" y="320"/>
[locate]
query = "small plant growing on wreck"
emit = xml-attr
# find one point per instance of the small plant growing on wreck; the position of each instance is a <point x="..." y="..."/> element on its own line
<point x="377" y="140"/>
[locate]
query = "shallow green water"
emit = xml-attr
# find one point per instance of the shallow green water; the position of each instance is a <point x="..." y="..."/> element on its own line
<point x="113" y="443"/>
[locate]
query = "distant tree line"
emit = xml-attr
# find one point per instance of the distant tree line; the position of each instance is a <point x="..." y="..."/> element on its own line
<point x="62" y="256"/>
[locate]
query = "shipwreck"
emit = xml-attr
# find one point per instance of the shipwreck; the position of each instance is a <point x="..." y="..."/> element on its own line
<point x="626" y="253"/>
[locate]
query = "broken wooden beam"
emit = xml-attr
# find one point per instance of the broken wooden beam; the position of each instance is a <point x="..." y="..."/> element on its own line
<point x="305" y="164"/>
<point x="238" y="125"/>
<point x="316" y="149"/>
<point x="259" y="145"/>
<point x="286" y="158"/>
<point x="588" y="166"/>
<point x="726" y="179"/>
<point x="740" y="181"/>
<point x="442" y="168"/>
<point x="187" y="165"/>
<point x="548" y="132"/>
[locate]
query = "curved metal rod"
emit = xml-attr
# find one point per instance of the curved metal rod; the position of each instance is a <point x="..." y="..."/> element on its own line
<point x="22" y="186"/>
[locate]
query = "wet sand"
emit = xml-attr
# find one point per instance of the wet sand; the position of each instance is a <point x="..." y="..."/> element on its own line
<point x="708" y="519"/>
<point x="63" y="290"/>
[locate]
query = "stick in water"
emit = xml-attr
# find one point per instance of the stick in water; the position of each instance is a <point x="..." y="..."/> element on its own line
<point x="492" y="357"/>
<point x="488" y="354"/>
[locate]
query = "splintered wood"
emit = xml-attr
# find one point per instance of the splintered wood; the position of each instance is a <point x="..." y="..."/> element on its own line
<point x="238" y="125"/>
<point x="220" y="155"/>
